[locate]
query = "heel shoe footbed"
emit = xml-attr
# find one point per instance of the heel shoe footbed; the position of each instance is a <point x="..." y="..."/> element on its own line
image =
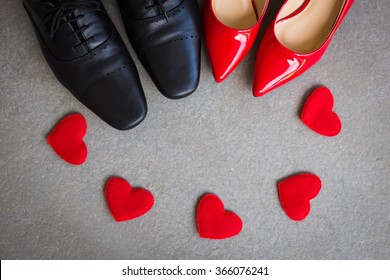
<point x="239" y="14"/>
<point x="310" y="24"/>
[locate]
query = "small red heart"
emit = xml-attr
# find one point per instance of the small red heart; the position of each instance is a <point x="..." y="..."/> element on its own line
<point x="296" y="192"/>
<point x="67" y="139"/>
<point x="214" y="222"/>
<point x="317" y="113"/>
<point x="127" y="203"/>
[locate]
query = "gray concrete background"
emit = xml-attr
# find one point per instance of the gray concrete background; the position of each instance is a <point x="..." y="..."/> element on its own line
<point x="220" y="140"/>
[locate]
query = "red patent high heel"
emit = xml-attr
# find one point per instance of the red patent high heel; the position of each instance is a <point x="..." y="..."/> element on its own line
<point x="296" y="40"/>
<point x="230" y="28"/>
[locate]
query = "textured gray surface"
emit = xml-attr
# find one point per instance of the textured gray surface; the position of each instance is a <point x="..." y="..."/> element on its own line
<point x="219" y="140"/>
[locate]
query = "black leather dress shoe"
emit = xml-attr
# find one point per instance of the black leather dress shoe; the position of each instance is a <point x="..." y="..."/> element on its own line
<point x="166" y="37"/>
<point x="86" y="54"/>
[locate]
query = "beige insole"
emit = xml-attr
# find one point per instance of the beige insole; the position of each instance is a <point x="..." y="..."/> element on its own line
<point x="306" y="31"/>
<point x="238" y="14"/>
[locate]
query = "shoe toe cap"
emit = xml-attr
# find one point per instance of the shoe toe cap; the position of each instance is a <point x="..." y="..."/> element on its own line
<point x="175" y="66"/>
<point x="117" y="98"/>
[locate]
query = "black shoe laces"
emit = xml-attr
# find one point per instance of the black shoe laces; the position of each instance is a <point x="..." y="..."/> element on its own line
<point x="160" y="5"/>
<point x="64" y="9"/>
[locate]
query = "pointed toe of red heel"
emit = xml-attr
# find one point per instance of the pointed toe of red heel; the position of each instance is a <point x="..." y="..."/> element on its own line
<point x="275" y="65"/>
<point x="296" y="40"/>
<point x="226" y="51"/>
<point x="230" y="29"/>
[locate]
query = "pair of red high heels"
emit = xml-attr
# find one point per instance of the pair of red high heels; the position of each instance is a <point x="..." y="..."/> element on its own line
<point x="296" y="39"/>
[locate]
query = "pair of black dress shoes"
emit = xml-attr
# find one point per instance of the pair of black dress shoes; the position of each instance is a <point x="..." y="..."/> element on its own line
<point x="87" y="55"/>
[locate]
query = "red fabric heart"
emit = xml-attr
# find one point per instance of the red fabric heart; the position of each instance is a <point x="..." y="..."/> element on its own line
<point x="317" y="113"/>
<point x="296" y="192"/>
<point x="67" y="139"/>
<point x="127" y="203"/>
<point x="214" y="222"/>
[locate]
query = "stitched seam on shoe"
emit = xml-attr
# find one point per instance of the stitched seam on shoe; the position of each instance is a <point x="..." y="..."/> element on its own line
<point x="95" y="81"/>
<point x="92" y="54"/>
<point x="161" y="26"/>
<point x="157" y="18"/>
<point x="173" y="40"/>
